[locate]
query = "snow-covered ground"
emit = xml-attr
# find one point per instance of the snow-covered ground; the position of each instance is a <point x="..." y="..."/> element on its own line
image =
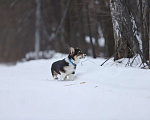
<point x="110" y="92"/>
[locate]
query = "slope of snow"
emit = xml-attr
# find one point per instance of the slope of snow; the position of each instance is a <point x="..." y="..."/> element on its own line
<point x="110" y="92"/>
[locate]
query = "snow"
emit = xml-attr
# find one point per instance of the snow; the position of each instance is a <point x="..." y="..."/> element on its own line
<point x="87" y="39"/>
<point x="101" y="42"/>
<point x="108" y="92"/>
<point x="46" y="54"/>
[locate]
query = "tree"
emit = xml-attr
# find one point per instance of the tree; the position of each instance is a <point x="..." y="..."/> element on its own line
<point x="16" y="29"/>
<point x="37" y="28"/>
<point x="144" y="26"/>
<point x="124" y="46"/>
<point x="149" y="28"/>
<point x="105" y="19"/>
<point x="90" y="33"/>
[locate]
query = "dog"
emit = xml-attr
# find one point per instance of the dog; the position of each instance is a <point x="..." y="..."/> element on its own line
<point x="67" y="66"/>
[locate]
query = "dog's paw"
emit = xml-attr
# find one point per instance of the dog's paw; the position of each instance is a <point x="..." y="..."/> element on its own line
<point x="71" y="79"/>
<point x="56" y="78"/>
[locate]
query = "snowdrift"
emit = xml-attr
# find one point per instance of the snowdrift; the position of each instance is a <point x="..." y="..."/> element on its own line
<point x="110" y="92"/>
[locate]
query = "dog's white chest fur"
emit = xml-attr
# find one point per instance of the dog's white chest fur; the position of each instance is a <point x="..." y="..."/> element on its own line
<point x="71" y="68"/>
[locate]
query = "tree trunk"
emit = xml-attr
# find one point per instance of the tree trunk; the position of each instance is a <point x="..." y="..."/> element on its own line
<point x="37" y="28"/>
<point x="149" y="35"/>
<point x="107" y="28"/>
<point x="146" y="36"/>
<point x="144" y="31"/>
<point x="90" y="33"/>
<point x="149" y="28"/>
<point x="123" y="42"/>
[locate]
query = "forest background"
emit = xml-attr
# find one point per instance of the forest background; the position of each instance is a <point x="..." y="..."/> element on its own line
<point x="36" y="29"/>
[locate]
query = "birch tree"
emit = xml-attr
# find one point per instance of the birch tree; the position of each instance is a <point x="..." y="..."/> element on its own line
<point x="37" y="28"/>
<point x="123" y="42"/>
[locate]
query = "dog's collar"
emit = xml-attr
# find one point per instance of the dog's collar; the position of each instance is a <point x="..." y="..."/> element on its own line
<point x="71" y="62"/>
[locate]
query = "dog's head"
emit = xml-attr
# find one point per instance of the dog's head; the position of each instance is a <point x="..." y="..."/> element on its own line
<point x="76" y="54"/>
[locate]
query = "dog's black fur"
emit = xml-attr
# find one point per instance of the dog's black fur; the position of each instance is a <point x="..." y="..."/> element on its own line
<point x="59" y="66"/>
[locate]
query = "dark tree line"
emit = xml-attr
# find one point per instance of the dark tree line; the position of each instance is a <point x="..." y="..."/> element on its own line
<point x="99" y="27"/>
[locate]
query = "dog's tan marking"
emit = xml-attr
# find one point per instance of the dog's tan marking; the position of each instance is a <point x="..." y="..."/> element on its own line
<point x="55" y="75"/>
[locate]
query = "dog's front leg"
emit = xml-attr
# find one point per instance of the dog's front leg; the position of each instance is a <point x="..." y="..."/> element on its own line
<point x="63" y="76"/>
<point x="71" y="77"/>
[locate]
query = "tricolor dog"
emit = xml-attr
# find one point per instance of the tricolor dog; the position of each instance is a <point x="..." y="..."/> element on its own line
<point x="67" y="66"/>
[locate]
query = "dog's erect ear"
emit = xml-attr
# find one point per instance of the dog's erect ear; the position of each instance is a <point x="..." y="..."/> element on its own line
<point x="72" y="50"/>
